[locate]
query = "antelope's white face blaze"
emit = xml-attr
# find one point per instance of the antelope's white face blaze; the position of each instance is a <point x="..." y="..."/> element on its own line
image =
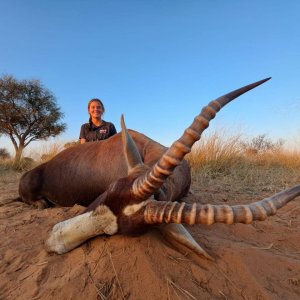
<point x="133" y="208"/>
<point x="69" y="234"/>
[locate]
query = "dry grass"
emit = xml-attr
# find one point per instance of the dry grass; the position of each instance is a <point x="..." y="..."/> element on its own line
<point x="221" y="162"/>
<point x="218" y="160"/>
<point x="218" y="151"/>
<point x="24" y="164"/>
<point x="215" y="153"/>
<point x="32" y="158"/>
<point x="46" y="151"/>
<point x="5" y="164"/>
<point x="180" y="292"/>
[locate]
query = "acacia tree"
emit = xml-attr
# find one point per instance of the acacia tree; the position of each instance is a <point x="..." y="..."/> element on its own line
<point x="28" y="112"/>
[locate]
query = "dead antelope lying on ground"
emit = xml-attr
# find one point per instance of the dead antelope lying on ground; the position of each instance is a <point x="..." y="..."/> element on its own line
<point x="131" y="190"/>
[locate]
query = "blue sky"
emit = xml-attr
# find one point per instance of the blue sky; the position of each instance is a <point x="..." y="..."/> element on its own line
<point x="159" y="62"/>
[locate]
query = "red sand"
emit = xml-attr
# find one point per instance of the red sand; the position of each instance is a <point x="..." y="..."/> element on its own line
<point x="259" y="261"/>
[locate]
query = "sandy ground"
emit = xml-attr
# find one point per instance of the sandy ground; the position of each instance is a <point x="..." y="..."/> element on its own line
<point x="258" y="261"/>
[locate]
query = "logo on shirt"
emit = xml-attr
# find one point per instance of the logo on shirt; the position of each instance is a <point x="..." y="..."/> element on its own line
<point x="102" y="131"/>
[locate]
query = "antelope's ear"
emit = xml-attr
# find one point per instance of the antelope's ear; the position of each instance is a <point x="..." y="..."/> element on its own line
<point x="131" y="152"/>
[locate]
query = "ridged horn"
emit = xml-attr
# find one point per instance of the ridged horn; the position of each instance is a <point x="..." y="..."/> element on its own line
<point x="158" y="212"/>
<point x="131" y="152"/>
<point x="145" y="185"/>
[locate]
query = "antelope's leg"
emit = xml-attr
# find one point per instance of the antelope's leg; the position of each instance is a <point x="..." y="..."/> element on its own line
<point x="180" y="238"/>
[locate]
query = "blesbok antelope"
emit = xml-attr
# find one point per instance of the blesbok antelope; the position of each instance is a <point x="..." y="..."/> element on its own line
<point x="127" y="191"/>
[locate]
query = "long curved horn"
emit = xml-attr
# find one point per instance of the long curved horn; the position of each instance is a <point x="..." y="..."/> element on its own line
<point x="158" y="212"/>
<point x="131" y="152"/>
<point x="145" y="185"/>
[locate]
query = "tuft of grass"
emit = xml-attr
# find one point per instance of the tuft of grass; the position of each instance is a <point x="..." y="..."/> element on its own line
<point x="47" y="151"/>
<point x="215" y="153"/>
<point x="32" y="158"/>
<point x="218" y="160"/>
<point x="8" y="174"/>
<point x="25" y="164"/>
<point x="5" y="164"/>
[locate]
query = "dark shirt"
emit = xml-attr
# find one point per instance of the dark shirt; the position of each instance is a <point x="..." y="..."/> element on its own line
<point x="91" y="132"/>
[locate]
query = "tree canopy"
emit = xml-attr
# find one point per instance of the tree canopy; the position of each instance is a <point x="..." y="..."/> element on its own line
<point x="28" y="112"/>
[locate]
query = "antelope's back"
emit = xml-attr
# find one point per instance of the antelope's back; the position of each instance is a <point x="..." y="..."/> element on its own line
<point x="81" y="173"/>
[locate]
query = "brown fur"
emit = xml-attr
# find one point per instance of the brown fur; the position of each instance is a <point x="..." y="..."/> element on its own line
<point x="80" y="174"/>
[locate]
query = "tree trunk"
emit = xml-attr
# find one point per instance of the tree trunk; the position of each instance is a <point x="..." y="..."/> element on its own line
<point x="18" y="156"/>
